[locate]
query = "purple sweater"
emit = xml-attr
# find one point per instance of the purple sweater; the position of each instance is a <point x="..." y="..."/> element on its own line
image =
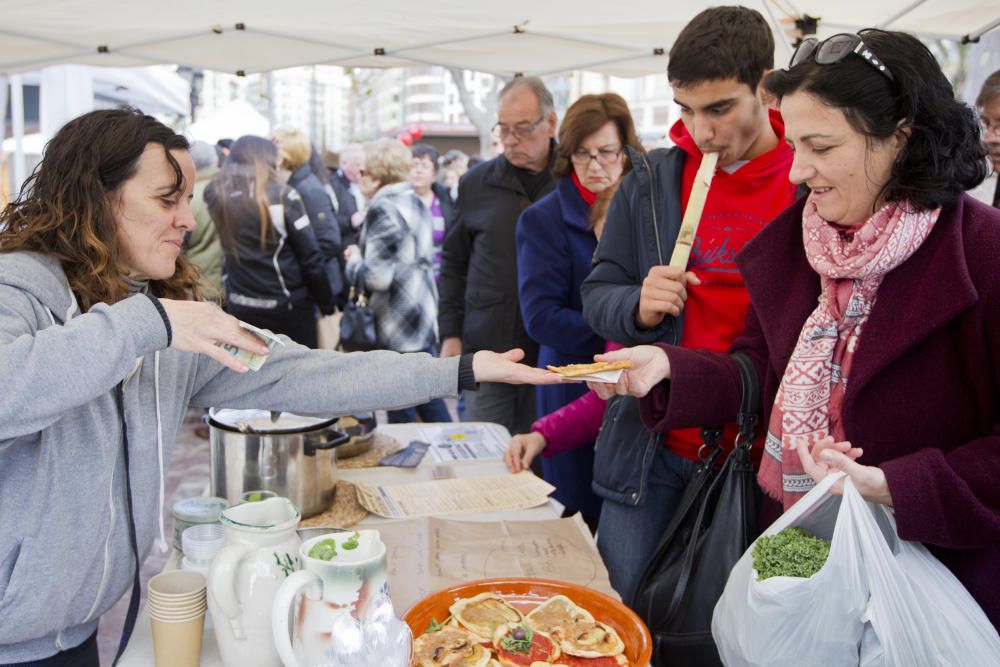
<point x="924" y="392"/>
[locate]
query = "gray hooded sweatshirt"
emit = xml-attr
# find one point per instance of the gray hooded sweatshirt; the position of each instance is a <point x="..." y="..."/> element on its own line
<point x="65" y="556"/>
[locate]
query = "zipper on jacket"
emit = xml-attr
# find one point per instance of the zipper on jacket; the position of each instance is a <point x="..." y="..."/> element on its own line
<point x="107" y="541"/>
<point x="637" y="496"/>
<point x="652" y="206"/>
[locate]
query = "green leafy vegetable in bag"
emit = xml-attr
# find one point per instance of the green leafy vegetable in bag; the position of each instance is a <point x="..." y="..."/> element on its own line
<point x="791" y="553"/>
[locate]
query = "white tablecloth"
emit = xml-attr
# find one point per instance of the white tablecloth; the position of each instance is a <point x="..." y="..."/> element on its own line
<point x="140" y="649"/>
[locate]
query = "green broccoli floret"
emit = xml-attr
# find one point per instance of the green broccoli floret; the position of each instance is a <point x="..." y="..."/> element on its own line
<point x="324" y="550"/>
<point x="791" y="553"/>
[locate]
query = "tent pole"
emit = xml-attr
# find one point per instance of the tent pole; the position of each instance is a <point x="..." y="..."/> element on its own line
<point x="590" y="65"/>
<point x="777" y="28"/>
<point x="17" y="124"/>
<point x="900" y="14"/>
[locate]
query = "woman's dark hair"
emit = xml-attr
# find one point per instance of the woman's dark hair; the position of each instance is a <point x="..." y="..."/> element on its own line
<point x="426" y="151"/>
<point x="586" y="116"/>
<point x="66" y="207"/>
<point x="249" y="168"/>
<point x="942" y="156"/>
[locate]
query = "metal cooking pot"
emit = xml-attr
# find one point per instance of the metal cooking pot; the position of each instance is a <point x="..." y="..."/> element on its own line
<point x="292" y="456"/>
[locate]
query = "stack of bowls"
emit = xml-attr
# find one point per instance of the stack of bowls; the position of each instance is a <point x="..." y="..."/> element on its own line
<point x="177" y="604"/>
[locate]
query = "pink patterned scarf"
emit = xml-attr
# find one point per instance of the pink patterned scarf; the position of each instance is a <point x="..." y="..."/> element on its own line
<point x="851" y="265"/>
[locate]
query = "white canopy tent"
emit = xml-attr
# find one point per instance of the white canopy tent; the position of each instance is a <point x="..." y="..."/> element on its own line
<point x="507" y="38"/>
<point x="233" y="120"/>
<point x="515" y="36"/>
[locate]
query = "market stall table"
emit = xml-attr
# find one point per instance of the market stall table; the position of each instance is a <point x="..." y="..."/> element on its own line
<point x="140" y="649"/>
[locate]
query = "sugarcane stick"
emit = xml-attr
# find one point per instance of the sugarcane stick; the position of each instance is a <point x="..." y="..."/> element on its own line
<point x="692" y="216"/>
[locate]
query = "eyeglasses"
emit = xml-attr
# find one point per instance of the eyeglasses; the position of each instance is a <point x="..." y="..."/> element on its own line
<point x="521" y="130"/>
<point x="834" y="49"/>
<point x="990" y="126"/>
<point x="604" y="157"/>
<point x="362" y="172"/>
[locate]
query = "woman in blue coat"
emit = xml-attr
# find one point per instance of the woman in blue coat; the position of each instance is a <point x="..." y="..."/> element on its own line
<point x="555" y="244"/>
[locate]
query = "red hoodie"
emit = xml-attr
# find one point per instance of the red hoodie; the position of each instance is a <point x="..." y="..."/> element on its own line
<point x="738" y="206"/>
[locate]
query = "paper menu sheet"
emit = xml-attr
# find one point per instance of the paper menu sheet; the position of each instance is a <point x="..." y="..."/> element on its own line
<point x="498" y="493"/>
<point x="463" y="442"/>
<point x="428" y="554"/>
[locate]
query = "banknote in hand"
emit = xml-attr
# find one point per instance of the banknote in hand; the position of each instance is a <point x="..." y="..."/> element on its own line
<point x="253" y="360"/>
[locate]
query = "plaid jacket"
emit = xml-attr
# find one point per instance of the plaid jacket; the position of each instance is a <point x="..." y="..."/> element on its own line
<point x="397" y="247"/>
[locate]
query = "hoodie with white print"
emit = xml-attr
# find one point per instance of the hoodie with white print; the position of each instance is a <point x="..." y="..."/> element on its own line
<point x="65" y="556"/>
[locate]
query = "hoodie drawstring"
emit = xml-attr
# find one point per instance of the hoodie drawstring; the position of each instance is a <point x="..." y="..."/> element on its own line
<point x="162" y="541"/>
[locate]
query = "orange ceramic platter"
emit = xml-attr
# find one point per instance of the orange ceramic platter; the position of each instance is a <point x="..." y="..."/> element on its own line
<point x="526" y="594"/>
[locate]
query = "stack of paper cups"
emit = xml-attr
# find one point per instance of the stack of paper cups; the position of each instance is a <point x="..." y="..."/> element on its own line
<point x="176" y="605"/>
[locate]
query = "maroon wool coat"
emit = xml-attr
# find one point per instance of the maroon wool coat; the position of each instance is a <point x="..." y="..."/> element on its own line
<point x="923" y="399"/>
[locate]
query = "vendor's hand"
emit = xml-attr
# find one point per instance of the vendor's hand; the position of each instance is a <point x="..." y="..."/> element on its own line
<point x="495" y="367"/>
<point x="828" y="457"/>
<point x="198" y="325"/>
<point x="522" y="449"/>
<point x="451" y="346"/>
<point x="650" y="366"/>
<point x="664" y="291"/>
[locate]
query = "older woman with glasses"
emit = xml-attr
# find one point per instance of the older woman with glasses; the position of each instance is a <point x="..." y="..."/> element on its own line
<point x="875" y="307"/>
<point x="555" y="244"/>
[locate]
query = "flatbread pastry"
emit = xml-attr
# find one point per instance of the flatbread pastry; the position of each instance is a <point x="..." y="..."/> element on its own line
<point x="575" y="370"/>
<point x="556" y="611"/>
<point x="482" y="614"/>
<point x="449" y="647"/>
<point x="604" y="661"/>
<point x="589" y="639"/>
<point x="517" y="645"/>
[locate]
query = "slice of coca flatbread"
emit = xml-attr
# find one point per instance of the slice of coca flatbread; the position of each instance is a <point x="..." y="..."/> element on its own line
<point x="576" y="370"/>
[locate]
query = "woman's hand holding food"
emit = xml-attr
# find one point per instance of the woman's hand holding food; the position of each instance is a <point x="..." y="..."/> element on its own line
<point x="198" y="326"/>
<point x="828" y="456"/>
<point x="503" y="367"/>
<point x="650" y="366"/>
<point x="522" y="449"/>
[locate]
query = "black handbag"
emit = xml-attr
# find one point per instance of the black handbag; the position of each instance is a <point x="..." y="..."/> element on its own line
<point x="357" y="324"/>
<point x="715" y="523"/>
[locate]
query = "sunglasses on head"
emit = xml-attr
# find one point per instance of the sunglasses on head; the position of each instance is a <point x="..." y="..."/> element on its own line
<point x="834" y="49"/>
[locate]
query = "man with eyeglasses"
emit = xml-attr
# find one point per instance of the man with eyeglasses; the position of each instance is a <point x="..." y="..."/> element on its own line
<point x="479" y="307"/>
<point x="988" y="106"/>
<point x="631" y="296"/>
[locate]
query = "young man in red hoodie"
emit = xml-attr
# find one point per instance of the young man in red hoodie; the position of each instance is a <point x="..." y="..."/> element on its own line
<point x="632" y="297"/>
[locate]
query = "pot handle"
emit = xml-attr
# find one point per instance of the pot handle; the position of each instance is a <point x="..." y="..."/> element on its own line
<point x="222" y="583"/>
<point x="281" y="610"/>
<point x="333" y="438"/>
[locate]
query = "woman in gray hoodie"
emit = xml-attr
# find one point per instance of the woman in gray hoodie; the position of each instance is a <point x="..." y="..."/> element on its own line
<point x="103" y="346"/>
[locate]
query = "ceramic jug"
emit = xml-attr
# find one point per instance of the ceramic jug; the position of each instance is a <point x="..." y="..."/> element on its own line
<point x="261" y="551"/>
<point x="309" y="601"/>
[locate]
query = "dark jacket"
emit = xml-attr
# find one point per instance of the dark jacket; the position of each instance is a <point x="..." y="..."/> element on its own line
<point x="639" y="233"/>
<point x="291" y="267"/>
<point x="924" y="391"/>
<point x="448" y="208"/>
<point x="478" y="284"/>
<point x="555" y="248"/>
<point x="347" y="206"/>
<point x="319" y="208"/>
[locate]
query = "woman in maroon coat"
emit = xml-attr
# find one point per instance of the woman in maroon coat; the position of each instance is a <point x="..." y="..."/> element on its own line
<point x="875" y="316"/>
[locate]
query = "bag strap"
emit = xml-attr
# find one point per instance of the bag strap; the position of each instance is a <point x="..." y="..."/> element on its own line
<point x="748" y="416"/>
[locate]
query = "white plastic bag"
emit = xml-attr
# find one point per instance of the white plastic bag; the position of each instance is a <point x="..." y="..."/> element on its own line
<point x="878" y="601"/>
<point x="920" y="613"/>
<point x="791" y="620"/>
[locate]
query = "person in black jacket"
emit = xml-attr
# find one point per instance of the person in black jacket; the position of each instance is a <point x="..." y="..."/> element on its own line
<point x="274" y="267"/>
<point x="478" y="285"/>
<point x="296" y="152"/>
<point x="346" y="182"/>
